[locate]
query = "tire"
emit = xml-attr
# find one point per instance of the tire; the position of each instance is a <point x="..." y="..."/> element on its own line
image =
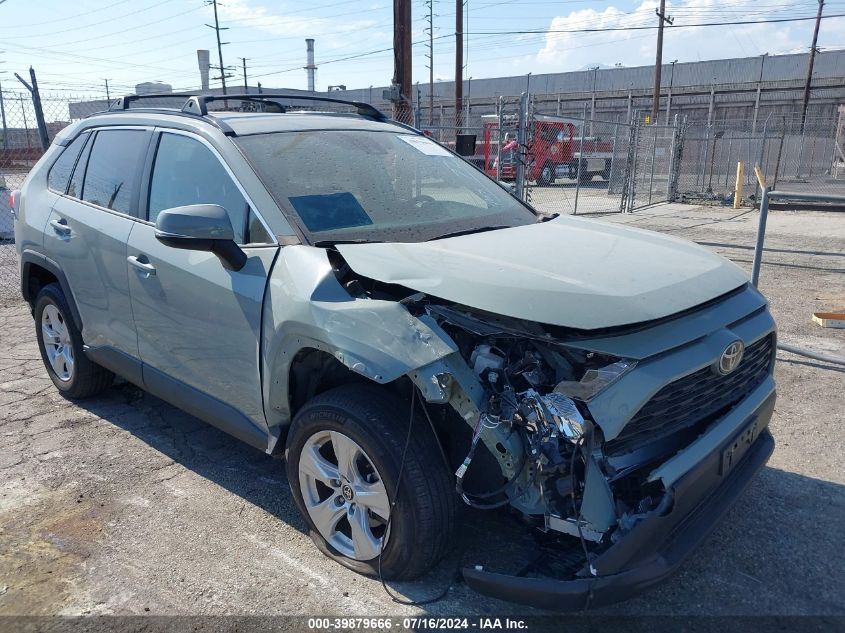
<point x="547" y="176"/>
<point x="376" y="423"/>
<point x="72" y="372"/>
<point x="586" y="176"/>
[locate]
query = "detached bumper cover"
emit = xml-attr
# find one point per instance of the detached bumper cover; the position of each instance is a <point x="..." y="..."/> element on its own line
<point x="657" y="546"/>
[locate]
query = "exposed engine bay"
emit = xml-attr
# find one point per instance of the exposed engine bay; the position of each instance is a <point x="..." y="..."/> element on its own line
<point x="537" y="390"/>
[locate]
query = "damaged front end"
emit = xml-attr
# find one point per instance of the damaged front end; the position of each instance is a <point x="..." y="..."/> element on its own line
<point x="621" y="446"/>
<point x="614" y="495"/>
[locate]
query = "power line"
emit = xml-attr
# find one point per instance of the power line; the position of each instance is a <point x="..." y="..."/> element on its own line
<point x="90" y="24"/>
<point x="606" y="29"/>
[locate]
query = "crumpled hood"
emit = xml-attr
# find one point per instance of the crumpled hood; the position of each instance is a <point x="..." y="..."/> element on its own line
<point x="568" y="272"/>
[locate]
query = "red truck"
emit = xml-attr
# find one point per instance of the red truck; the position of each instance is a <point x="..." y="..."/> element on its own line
<point x="554" y="150"/>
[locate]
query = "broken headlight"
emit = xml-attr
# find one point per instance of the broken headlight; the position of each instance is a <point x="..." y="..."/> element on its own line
<point x="595" y="380"/>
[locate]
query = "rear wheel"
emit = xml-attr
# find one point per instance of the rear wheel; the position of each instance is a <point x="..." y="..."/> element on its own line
<point x="60" y="344"/>
<point x="344" y="452"/>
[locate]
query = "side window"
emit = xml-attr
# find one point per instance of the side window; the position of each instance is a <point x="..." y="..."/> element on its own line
<point x="59" y="175"/>
<point x="74" y="189"/>
<point x="113" y="168"/>
<point x="187" y="172"/>
<point x="256" y="233"/>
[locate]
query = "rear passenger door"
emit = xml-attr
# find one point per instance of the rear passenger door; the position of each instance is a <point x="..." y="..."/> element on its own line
<point x="87" y="232"/>
<point x="198" y="323"/>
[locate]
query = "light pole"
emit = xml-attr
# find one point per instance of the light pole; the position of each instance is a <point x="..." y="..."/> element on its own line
<point x="671" y="83"/>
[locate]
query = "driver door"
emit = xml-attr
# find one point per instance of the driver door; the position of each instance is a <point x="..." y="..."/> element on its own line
<point x="198" y="323"/>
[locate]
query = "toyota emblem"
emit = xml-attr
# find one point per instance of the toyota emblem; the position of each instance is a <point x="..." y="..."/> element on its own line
<point x="730" y="358"/>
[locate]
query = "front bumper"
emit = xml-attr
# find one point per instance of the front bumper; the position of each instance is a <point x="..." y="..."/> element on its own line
<point x="657" y="545"/>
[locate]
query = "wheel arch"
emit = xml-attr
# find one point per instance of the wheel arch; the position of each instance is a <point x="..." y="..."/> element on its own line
<point x="38" y="270"/>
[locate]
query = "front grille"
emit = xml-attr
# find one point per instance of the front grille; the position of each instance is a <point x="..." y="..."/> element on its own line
<point x="694" y="399"/>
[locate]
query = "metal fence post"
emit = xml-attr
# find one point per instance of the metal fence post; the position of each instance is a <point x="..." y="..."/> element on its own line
<point x="500" y="112"/>
<point x="580" y="158"/>
<point x="728" y="161"/>
<point x="654" y="129"/>
<point x="800" y="154"/>
<point x="762" y="151"/>
<point x="674" y="162"/>
<point x="520" y="140"/>
<point x="777" y="162"/>
<point x="3" y="115"/>
<point x="611" y="174"/>
<point x="761" y="236"/>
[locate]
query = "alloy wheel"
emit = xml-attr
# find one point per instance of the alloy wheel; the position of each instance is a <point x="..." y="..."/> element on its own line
<point x="57" y="343"/>
<point x="344" y="494"/>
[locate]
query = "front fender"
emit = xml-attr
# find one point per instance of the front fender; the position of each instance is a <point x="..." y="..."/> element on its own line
<point x="306" y="307"/>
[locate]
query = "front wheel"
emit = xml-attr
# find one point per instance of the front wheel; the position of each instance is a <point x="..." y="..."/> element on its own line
<point x="547" y="176"/>
<point x="344" y="453"/>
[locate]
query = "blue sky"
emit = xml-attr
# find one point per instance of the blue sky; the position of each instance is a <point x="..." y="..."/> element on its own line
<point x="75" y="45"/>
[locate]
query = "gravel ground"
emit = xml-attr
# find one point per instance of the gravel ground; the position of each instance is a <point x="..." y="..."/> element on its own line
<point x="125" y="505"/>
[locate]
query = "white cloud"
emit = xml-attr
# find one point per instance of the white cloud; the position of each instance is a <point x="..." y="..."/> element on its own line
<point x="245" y="13"/>
<point x="636" y="47"/>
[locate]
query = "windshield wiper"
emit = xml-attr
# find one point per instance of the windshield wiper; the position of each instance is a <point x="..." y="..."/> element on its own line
<point x="328" y="243"/>
<point x="482" y="229"/>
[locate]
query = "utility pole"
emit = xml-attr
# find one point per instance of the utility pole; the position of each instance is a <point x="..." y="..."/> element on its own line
<point x="243" y="61"/>
<point x="662" y="19"/>
<point x="813" y="51"/>
<point x="108" y="96"/>
<point x="459" y="60"/>
<point x="217" y="30"/>
<point x="401" y="88"/>
<point x="430" y="5"/>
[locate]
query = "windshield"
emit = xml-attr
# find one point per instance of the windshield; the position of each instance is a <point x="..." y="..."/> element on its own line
<point x="377" y="186"/>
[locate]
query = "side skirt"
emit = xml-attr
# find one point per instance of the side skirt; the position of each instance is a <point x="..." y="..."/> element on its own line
<point x="191" y="400"/>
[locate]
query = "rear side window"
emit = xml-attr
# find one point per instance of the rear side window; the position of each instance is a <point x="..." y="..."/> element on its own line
<point x="74" y="189"/>
<point x="187" y="172"/>
<point x="113" y="168"/>
<point x="61" y="170"/>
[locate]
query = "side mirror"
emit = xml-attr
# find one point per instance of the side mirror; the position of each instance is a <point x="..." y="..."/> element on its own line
<point x="201" y="227"/>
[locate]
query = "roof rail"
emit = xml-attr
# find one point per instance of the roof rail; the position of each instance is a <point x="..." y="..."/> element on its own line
<point x="198" y="104"/>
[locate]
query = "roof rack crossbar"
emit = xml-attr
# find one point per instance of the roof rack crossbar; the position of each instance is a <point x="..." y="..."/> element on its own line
<point x="122" y="103"/>
<point x="198" y="104"/>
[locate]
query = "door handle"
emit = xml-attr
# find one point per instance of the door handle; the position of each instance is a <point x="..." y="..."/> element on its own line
<point x="144" y="267"/>
<point x="60" y="226"/>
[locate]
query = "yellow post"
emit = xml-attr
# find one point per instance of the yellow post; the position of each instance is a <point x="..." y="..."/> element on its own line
<point x="740" y="177"/>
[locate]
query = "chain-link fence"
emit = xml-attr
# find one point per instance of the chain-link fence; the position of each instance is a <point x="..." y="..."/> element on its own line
<point x="560" y="162"/>
<point x="792" y="155"/>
